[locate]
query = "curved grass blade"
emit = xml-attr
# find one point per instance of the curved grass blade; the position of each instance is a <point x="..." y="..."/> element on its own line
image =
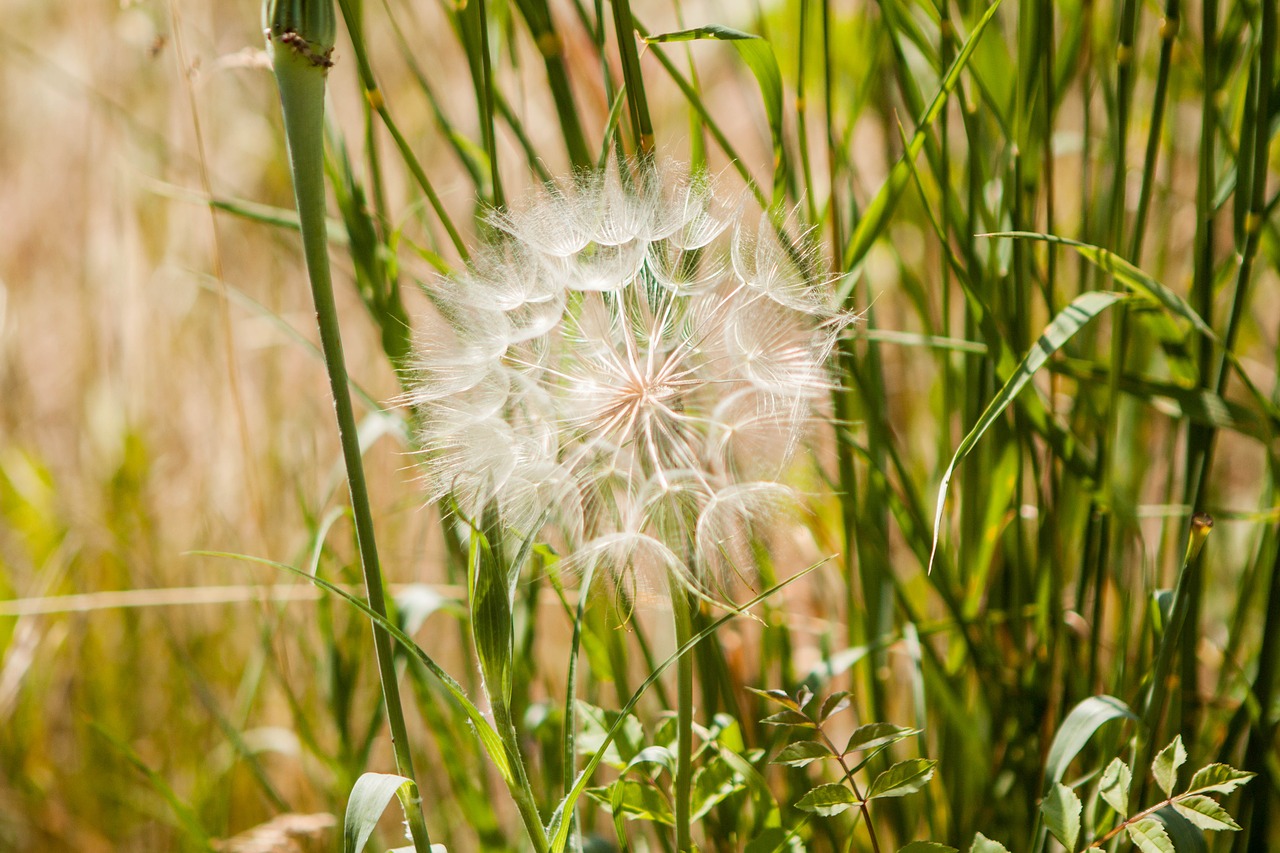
<point x="1080" y="725"/>
<point x="757" y="53"/>
<point x="368" y="800"/>
<point x="1146" y="286"/>
<point x="183" y="813"/>
<point x="876" y="216"/>
<point x="1069" y="321"/>
<point x="488" y="737"/>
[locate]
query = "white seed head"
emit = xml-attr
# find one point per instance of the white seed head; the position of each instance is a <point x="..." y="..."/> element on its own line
<point x="611" y="372"/>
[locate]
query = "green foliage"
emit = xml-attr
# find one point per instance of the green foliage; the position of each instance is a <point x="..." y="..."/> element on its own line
<point x="1056" y="224"/>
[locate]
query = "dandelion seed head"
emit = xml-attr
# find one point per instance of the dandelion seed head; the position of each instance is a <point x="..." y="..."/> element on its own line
<point x="629" y="369"/>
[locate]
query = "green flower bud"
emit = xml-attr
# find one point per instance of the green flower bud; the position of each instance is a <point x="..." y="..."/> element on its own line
<point x="307" y="26"/>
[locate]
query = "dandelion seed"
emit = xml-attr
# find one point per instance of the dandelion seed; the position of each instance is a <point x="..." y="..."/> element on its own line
<point x="630" y="369"/>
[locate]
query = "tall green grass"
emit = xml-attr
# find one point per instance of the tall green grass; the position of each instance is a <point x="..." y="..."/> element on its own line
<point x="1058" y="222"/>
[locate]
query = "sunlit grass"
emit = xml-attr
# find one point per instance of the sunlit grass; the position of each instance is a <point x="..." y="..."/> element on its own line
<point x="162" y="395"/>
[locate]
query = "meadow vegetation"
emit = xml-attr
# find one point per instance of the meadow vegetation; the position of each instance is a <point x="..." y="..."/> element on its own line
<point x="1006" y="338"/>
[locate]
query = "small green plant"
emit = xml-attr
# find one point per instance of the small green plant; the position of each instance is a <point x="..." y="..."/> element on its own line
<point x="1163" y="827"/>
<point x="807" y="719"/>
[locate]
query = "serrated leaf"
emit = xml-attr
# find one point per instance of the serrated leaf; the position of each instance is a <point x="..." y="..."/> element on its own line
<point x="1149" y="836"/>
<point x="1114" y="787"/>
<point x="873" y="735"/>
<point x="1185" y="835"/>
<point x="905" y="777"/>
<point x="834" y="704"/>
<point x="1166" y="764"/>
<point x="802" y="753"/>
<point x="982" y="844"/>
<point x="1205" y="813"/>
<point x="827" y="800"/>
<point x="1221" y="778"/>
<point x="788" y="718"/>
<point x="774" y="695"/>
<point x="1061" y="808"/>
<point x="927" y="847"/>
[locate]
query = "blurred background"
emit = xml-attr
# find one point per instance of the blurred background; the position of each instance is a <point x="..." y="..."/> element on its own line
<point x="160" y="392"/>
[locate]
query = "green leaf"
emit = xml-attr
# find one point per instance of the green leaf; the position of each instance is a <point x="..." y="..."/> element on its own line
<point x="905" y="777"/>
<point x="789" y="718"/>
<point x="597" y="724"/>
<point x="1205" y="813"/>
<point x="834" y="704"/>
<point x="982" y="844"/>
<point x="634" y="800"/>
<point x="1070" y="320"/>
<point x="1084" y="720"/>
<point x="1061" y="808"/>
<point x="712" y="784"/>
<point x="802" y="753"/>
<point x="775" y="839"/>
<point x="659" y="755"/>
<point x="873" y="735"/>
<point x="491" y="591"/>
<point x="827" y="800"/>
<point x="1221" y="778"/>
<point x="1155" y="292"/>
<point x="561" y="822"/>
<point x="1149" y="836"/>
<point x="1114" y="787"/>
<point x="757" y="53"/>
<point x="1184" y="834"/>
<point x="1166" y="764"/>
<point x="927" y="847"/>
<point x="878" y="212"/>
<point x="368" y="801"/>
<point x="782" y="697"/>
<point x="484" y="729"/>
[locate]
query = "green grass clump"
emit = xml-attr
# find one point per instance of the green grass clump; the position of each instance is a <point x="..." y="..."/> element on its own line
<point x="999" y="620"/>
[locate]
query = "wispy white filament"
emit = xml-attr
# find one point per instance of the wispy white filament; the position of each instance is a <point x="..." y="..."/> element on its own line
<point x="629" y="367"/>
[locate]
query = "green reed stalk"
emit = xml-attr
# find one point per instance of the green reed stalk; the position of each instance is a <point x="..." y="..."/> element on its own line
<point x="1171" y="641"/>
<point x="682" y="609"/>
<point x="641" y="123"/>
<point x="300" y="37"/>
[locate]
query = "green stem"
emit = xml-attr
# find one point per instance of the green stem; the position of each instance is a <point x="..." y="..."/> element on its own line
<point x="521" y="791"/>
<point x="682" y="604"/>
<point x="1162" y="673"/>
<point x="300" y="74"/>
<point x="625" y="29"/>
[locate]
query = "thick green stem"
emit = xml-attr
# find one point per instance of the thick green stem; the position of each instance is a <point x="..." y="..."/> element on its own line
<point x="521" y="791"/>
<point x="682" y="604"/>
<point x="300" y="73"/>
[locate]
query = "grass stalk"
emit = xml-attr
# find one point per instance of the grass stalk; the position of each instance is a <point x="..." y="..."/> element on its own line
<point x="299" y="46"/>
<point x="1163" y="677"/>
<point x="625" y="31"/>
<point x="682" y="608"/>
